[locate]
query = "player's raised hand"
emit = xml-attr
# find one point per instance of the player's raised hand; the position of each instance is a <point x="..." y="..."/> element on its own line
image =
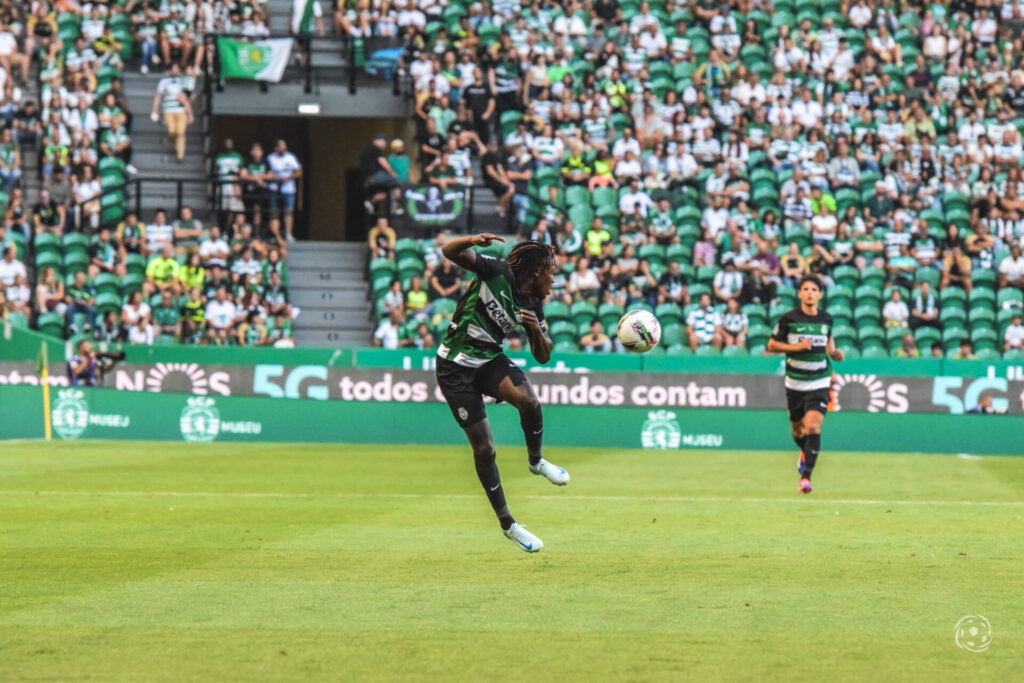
<point x="528" y="319"/>
<point x="837" y="355"/>
<point x="485" y="239"/>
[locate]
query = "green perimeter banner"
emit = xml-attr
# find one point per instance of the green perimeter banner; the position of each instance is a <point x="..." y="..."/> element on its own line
<point x="107" y="414"/>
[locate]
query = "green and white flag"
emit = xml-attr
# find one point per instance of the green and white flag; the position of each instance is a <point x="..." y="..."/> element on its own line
<point x="263" y="60"/>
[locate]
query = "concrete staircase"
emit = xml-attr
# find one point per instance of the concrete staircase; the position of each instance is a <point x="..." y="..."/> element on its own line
<point x="327" y="280"/>
<point x="154" y="158"/>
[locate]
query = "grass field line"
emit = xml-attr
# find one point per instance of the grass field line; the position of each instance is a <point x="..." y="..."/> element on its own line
<point x="665" y="499"/>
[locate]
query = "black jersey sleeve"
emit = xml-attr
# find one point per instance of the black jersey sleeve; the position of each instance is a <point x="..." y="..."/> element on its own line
<point x="487" y="267"/>
<point x="780" y="332"/>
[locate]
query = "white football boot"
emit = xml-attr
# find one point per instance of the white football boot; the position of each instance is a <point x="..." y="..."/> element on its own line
<point x="555" y="474"/>
<point x="523" y="538"/>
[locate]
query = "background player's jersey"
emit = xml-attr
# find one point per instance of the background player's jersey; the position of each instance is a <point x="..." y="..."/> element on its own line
<point x="806" y="370"/>
<point x="485" y="314"/>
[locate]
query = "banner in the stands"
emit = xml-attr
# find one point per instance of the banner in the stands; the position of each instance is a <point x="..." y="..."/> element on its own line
<point x="260" y="60"/>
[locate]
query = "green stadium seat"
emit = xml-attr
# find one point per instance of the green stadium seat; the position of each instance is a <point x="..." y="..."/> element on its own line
<point x="874" y="352"/>
<point x="51" y="324"/>
<point x="707" y="350"/>
<point x="983" y="277"/>
<point x="678" y="350"/>
<point x="135" y="263"/>
<point x="982" y="297"/>
<point x="668" y="312"/>
<point x="583" y="312"/>
<point x="673" y="333"/>
<point x="131" y="282"/>
<point x="380" y="267"/>
<point x="555" y="311"/>
<point x="734" y="352"/>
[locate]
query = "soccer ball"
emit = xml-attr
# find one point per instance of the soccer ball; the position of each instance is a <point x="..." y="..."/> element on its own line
<point x="639" y="331"/>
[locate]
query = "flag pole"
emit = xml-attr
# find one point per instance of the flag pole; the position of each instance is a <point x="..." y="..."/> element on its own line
<point x="44" y="379"/>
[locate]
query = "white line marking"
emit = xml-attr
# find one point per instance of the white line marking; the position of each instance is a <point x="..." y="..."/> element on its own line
<point x="660" y="499"/>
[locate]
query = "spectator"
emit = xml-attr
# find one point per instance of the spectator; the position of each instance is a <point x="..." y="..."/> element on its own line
<point x="193" y="316"/>
<point x="105" y="256"/>
<point x="50" y="293"/>
<point x="163" y="272"/>
<point x="704" y="325"/>
<point x="221" y="314"/>
<point x="11" y="267"/>
<point x="80" y="300"/>
<point x="673" y="286"/>
<point x="399" y="161"/>
<point x="395" y="299"/>
<point x="142" y="331"/>
<point x="387" y="334"/>
<point x="895" y="311"/>
<point x="10" y="161"/>
<point x="734" y="325"/>
<point x="416" y="299"/>
<point x="252" y="331"/>
<point x="47" y="215"/>
<point x="214" y="251"/>
<point x="966" y="351"/>
<point x="728" y="282"/>
<point x="177" y="108"/>
<point x="445" y="282"/>
<point x="134" y="309"/>
<point x="159" y="234"/>
<point x="379" y="175"/>
<point x="285" y="169"/>
<point x="186" y="231"/>
<point x="907" y="348"/>
<point x="595" y="340"/>
<point x="382" y="239"/>
<point x="167" y="316"/>
<point x="925" y="309"/>
<point x="756" y="288"/>
<point x="1013" y="337"/>
<point x="496" y="179"/>
<point x="1011" y="269"/>
<point x="583" y="282"/>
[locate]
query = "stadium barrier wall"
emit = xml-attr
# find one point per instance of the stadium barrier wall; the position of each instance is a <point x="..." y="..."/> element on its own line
<point x="106" y="414"/>
<point x="18" y="344"/>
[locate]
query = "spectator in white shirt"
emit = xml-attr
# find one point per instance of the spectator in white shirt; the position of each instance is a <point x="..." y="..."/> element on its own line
<point x="214" y="249"/>
<point x="386" y="335"/>
<point x="860" y="14"/>
<point x="1011" y="269"/>
<point x="627" y="143"/>
<point x="1014" y="335"/>
<point x="11" y="267"/>
<point x="286" y="169"/>
<point x="221" y="313"/>
<point x="635" y="199"/>
<point x="895" y="311"/>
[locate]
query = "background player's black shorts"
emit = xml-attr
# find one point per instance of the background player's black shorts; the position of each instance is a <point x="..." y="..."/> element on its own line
<point x="803" y="402"/>
<point x="464" y="388"/>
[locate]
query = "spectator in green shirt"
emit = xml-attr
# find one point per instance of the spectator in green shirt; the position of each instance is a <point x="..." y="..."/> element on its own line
<point x="399" y="160"/>
<point x="166" y="315"/>
<point x="80" y="299"/>
<point x="163" y="272"/>
<point x="596" y="236"/>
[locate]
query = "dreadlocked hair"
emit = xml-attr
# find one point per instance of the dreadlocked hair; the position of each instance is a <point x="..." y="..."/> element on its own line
<point x="530" y="257"/>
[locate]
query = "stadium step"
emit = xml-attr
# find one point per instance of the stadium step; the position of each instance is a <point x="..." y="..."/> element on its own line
<point x="327" y="282"/>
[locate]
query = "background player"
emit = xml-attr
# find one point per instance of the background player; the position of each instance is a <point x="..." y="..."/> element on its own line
<point x="471" y="365"/>
<point x="805" y="336"/>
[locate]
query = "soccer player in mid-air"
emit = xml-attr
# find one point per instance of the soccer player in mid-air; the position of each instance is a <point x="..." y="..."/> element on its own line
<point x="805" y="336"/>
<point x="504" y="294"/>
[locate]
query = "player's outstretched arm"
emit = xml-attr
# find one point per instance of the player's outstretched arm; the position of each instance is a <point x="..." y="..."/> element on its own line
<point x="458" y="250"/>
<point x="540" y="342"/>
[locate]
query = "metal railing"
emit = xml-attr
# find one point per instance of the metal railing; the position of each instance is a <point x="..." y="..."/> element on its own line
<point x="312" y="73"/>
<point x="215" y="200"/>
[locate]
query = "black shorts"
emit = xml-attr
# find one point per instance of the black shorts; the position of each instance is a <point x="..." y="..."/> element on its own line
<point x="464" y="388"/>
<point x="802" y="402"/>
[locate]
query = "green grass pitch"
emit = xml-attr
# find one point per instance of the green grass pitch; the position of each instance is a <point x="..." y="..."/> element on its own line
<point x="147" y="561"/>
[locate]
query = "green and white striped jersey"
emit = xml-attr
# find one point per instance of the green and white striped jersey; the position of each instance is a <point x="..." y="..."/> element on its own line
<point x="485" y="314"/>
<point x="806" y="370"/>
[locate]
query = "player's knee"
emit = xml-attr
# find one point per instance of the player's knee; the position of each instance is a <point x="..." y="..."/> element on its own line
<point x="484" y="454"/>
<point x="529" y="404"/>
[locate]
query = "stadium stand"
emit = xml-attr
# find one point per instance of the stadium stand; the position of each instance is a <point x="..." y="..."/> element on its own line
<point x="78" y="262"/>
<point x="696" y="158"/>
